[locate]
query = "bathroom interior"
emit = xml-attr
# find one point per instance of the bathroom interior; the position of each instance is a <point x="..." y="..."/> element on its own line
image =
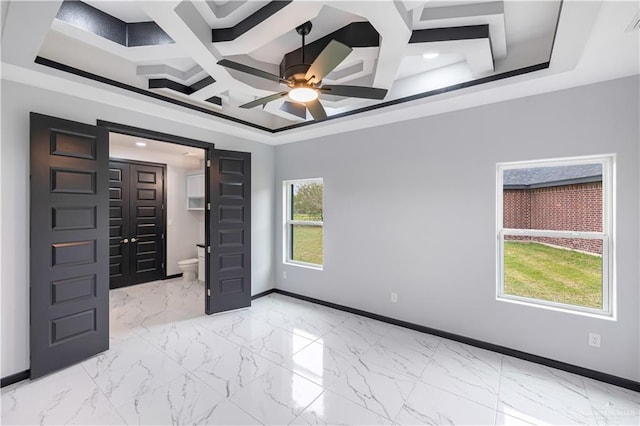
<point x="184" y="190"/>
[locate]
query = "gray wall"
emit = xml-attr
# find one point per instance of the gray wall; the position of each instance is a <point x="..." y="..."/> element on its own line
<point x="17" y="101"/>
<point x="411" y="207"/>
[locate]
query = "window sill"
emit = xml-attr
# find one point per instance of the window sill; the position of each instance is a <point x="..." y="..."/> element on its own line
<point x="304" y="265"/>
<point x="557" y="308"/>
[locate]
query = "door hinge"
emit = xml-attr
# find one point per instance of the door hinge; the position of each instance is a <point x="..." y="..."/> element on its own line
<point x="208" y="206"/>
<point x="162" y="265"/>
<point x="163" y="236"/>
<point x="208" y="249"/>
<point x="209" y="292"/>
<point x="208" y="163"/>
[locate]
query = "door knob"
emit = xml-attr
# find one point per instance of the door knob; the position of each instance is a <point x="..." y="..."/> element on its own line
<point x="125" y="241"/>
<point x="133" y="240"/>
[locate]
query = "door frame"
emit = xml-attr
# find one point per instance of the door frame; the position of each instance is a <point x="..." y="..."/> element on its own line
<point x="178" y="140"/>
<point x="164" y="203"/>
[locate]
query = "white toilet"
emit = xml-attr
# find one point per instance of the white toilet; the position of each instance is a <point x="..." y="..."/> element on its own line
<point x="189" y="268"/>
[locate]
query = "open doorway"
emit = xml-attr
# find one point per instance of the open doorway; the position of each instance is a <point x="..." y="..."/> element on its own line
<point x="69" y="239"/>
<point x="156" y="230"/>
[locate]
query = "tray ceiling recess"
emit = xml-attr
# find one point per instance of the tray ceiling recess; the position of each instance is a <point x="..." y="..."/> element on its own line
<point x="225" y="58"/>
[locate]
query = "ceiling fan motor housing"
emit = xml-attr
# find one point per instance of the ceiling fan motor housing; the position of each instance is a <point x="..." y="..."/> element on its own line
<point x="296" y="72"/>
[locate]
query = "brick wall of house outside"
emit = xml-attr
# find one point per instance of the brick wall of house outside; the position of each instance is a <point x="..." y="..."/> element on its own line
<point x="517" y="208"/>
<point x="517" y="211"/>
<point x="566" y="208"/>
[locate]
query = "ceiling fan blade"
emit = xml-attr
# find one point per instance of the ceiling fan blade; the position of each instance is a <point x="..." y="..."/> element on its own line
<point x="316" y="109"/>
<point x="354" y="91"/>
<point x="251" y="70"/>
<point x="264" y="100"/>
<point x="295" y="108"/>
<point x="330" y="57"/>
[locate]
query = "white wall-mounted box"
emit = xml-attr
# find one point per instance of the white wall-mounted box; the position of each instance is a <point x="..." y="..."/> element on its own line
<point x="195" y="190"/>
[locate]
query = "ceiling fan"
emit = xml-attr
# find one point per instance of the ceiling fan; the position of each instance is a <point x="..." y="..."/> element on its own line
<point x="305" y="81"/>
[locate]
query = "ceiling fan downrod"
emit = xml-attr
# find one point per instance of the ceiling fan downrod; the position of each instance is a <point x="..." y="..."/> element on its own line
<point x="304" y="30"/>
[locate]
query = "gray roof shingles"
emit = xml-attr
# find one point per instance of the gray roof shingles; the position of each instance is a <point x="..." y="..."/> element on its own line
<point x="541" y="175"/>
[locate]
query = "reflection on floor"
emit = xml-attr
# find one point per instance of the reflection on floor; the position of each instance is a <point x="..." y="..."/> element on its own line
<point x="284" y="361"/>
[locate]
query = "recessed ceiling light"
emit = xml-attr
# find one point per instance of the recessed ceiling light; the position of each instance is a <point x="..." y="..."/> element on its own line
<point x="431" y="55"/>
<point x="141" y="144"/>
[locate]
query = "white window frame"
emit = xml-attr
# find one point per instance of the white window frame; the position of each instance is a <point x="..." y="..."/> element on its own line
<point x="608" y="310"/>
<point x="287" y="224"/>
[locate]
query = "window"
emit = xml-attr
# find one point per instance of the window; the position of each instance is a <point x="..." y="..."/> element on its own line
<point x="303" y="222"/>
<point x="554" y="227"/>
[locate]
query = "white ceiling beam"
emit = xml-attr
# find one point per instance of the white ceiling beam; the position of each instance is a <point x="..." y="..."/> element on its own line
<point x="134" y="54"/>
<point x="462" y="11"/>
<point x="169" y="71"/>
<point x="275" y="26"/>
<point x="190" y="31"/>
<point x="227" y="14"/>
<point x="223" y="10"/>
<point x="393" y="23"/>
<point x="491" y="14"/>
<point x="24" y="29"/>
<point x="476" y="51"/>
<point x="576" y="23"/>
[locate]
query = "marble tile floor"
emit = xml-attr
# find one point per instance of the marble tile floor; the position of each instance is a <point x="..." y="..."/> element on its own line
<point x="285" y="361"/>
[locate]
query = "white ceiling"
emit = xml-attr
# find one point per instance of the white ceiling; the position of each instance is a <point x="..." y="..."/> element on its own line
<point x="590" y="45"/>
<point x="120" y="10"/>
<point x="124" y="146"/>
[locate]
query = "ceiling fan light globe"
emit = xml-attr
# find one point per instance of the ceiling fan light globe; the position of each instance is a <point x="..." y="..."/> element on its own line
<point x="303" y="94"/>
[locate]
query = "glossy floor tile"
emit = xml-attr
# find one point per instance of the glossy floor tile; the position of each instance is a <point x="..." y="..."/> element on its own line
<point x="533" y="391"/>
<point x="429" y="405"/>
<point x="286" y="361"/>
<point x="466" y="371"/>
<point x="277" y="397"/>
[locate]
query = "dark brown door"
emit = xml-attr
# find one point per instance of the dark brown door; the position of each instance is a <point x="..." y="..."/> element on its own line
<point x="69" y="274"/>
<point x="229" y="280"/>
<point x="136" y="222"/>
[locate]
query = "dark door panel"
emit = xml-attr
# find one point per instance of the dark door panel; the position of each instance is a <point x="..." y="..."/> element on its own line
<point x="118" y="224"/>
<point x="147" y="202"/>
<point x="230" y="218"/>
<point x="69" y="278"/>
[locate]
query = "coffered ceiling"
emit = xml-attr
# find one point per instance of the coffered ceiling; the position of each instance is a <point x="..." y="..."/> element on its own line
<point x="420" y="53"/>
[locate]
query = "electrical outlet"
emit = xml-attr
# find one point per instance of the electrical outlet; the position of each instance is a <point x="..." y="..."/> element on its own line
<point x="284" y="274"/>
<point x="394" y="297"/>
<point x="594" y="340"/>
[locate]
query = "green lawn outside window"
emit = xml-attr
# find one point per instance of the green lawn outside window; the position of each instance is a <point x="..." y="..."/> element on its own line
<point x="539" y="271"/>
